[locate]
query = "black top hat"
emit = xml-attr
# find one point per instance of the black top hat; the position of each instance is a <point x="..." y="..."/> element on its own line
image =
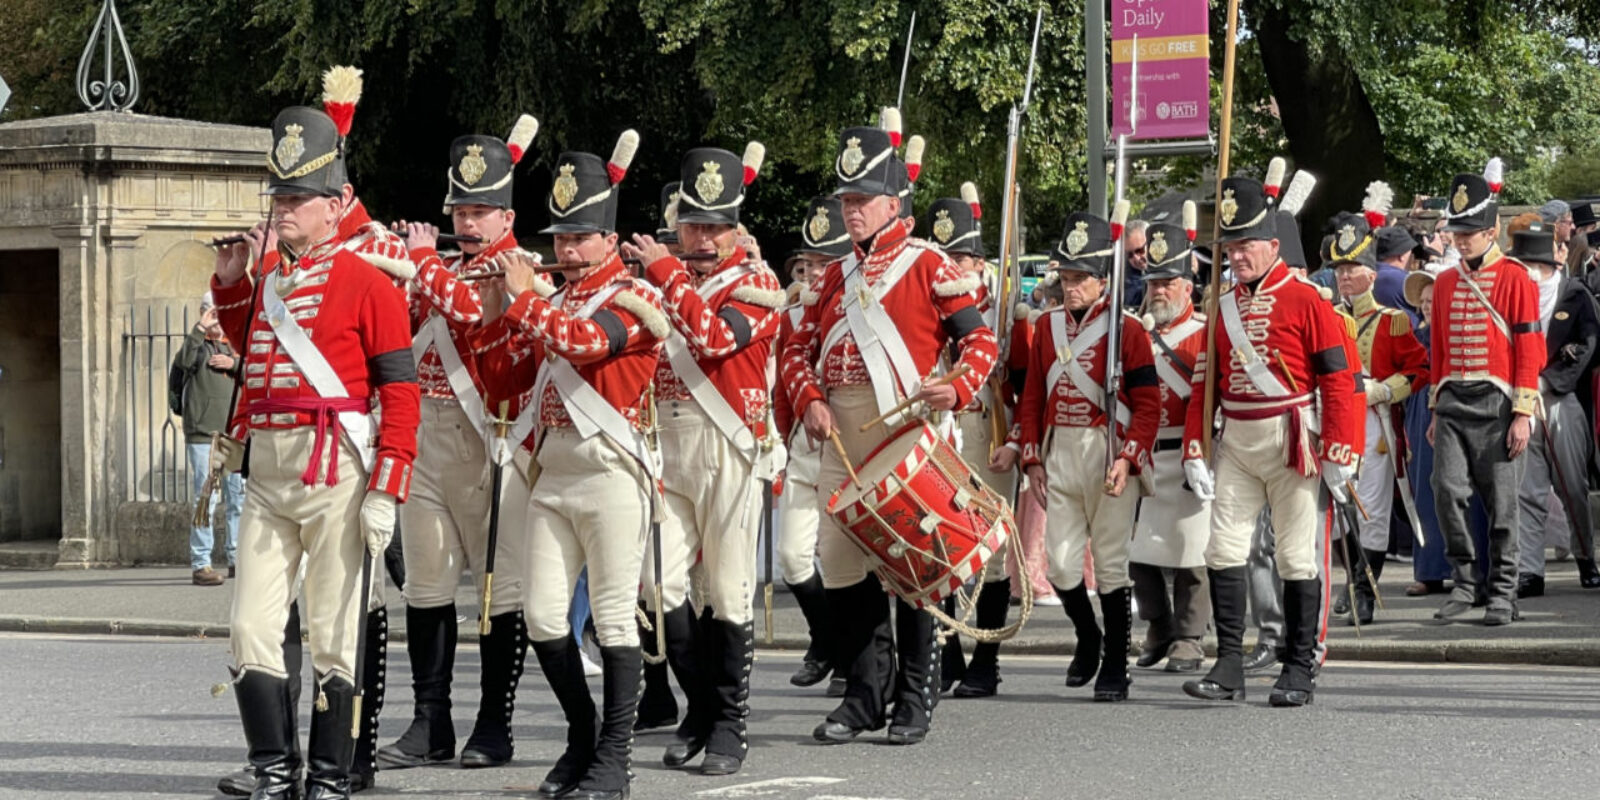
<point x="1245" y="211"/>
<point x="1534" y="246"/>
<point x="713" y="183"/>
<point x="583" y="198"/>
<point x="1086" y="245"/>
<point x="866" y="163"/>
<point x="307" y="155"/>
<point x="1471" y="205"/>
<point x="1393" y="240"/>
<point x="1168" y="252"/>
<point x="1350" y="242"/>
<point x="1585" y="211"/>
<point x="954" y="226"/>
<point x="1287" y="231"/>
<point x="667" y="233"/>
<point x="823" y="231"/>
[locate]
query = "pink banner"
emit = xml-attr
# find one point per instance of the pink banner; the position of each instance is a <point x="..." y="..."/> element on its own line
<point x="1174" y="67"/>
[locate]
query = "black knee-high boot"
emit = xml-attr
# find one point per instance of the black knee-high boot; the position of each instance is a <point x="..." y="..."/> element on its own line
<point x="1302" y="608"/>
<point x="1112" y="683"/>
<point x="331" y="746"/>
<point x="983" y="671"/>
<point x="502" y="652"/>
<point x="610" y="773"/>
<point x="818" y="661"/>
<point x="1225" y="681"/>
<point x="374" y="680"/>
<point x="562" y="665"/>
<point x="264" y="709"/>
<point x="861" y="627"/>
<point x="431" y="646"/>
<point x="916" y="676"/>
<point x="1086" y="655"/>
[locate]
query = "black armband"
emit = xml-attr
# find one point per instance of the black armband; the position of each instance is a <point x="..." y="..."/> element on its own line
<point x="395" y="366"/>
<point x="738" y="323"/>
<point x="616" y="332"/>
<point x="963" y="322"/>
<point x="1140" y="376"/>
<point x="1526" y="327"/>
<point x="1331" y="360"/>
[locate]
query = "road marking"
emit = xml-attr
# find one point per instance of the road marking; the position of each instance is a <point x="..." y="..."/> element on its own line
<point x="847" y="797"/>
<point x="768" y="788"/>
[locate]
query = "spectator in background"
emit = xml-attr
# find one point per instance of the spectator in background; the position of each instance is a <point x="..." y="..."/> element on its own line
<point x="1429" y="567"/>
<point x="1585" y="215"/>
<point x="1557" y="218"/>
<point x="1394" y="246"/>
<point x="1133" y="279"/>
<point x="199" y="388"/>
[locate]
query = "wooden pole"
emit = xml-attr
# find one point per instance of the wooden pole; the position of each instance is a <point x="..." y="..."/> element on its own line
<point x="1209" y="408"/>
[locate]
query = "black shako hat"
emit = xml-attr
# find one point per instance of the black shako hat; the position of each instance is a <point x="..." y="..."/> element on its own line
<point x="481" y="166"/>
<point x="1473" y="203"/>
<point x="1244" y="211"/>
<point x="712" y="183"/>
<point x="866" y="162"/>
<point x="823" y="232"/>
<point x="1086" y="245"/>
<point x="1350" y="241"/>
<point x="307" y="155"/>
<point x="583" y="197"/>
<point x="953" y="222"/>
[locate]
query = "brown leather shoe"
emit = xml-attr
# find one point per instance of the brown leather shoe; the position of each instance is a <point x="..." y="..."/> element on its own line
<point x="207" y="576"/>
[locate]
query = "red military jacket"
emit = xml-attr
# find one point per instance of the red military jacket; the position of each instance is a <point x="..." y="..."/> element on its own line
<point x="932" y="283"/>
<point x="436" y="290"/>
<point x="614" y="349"/>
<point x="1062" y="404"/>
<point x="1468" y="345"/>
<point x="788" y="319"/>
<point x="356" y="318"/>
<point x="730" y="333"/>
<point x="1390" y="353"/>
<point x="1184" y="340"/>
<point x="1301" y="340"/>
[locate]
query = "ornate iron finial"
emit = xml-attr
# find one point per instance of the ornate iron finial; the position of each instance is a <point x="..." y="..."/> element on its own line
<point x="108" y="92"/>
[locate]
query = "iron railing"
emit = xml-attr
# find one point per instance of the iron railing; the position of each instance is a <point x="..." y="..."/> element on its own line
<point x="153" y="444"/>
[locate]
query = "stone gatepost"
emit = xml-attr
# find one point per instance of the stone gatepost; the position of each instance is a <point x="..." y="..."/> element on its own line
<point x="110" y="213"/>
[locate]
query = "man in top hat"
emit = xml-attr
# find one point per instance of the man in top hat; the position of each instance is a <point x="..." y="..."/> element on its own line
<point x="581" y="360"/>
<point x="823" y="240"/>
<point x="1062" y="416"/>
<point x="879" y="324"/>
<point x="953" y="223"/>
<point x="1559" y="450"/>
<point x="1487" y="354"/>
<point x="1395" y="365"/>
<point x="717" y="446"/>
<point x="324" y="334"/>
<point x="1277" y="342"/>
<point x="446" y="523"/>
<point x="1173" y="524"/>
<point x="1580" y="253"/>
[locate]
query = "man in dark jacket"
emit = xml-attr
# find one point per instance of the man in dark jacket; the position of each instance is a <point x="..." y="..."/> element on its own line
<point x="199" y="387"/>
<point x="1559" y="450"/>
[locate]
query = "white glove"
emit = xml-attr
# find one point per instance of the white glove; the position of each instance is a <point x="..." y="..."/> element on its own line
<point x="1200" y="480"/>
<point x="1377" y="392"/>
<point x="541" y="286"/>
<point x="227" y="454"/>
<point x="1337" y="476"/>
<point x="377" y="521"/>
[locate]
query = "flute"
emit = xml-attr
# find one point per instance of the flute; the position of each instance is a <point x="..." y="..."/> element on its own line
<point x="444" y="238"/>
<point x="559" y="266"/>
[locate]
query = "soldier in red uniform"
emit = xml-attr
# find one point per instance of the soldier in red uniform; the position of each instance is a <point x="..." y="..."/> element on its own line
<point x="823" y="240"/>
<point x="588" y="353"/>
<point x="1277" y="342"/>
<point x="329" y="338"/>
<point x="1174" y="525"/>
<point x="445" y="526"/>
<point x="912" y="303"/>
<point x="1062" y="415"/>
<point x="1487" y="354"/>
<point x="1395" y="364"/>
<point x="717" y="445"/>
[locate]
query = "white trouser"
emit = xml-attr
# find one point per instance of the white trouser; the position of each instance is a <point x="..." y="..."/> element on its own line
<point x="1250" y="473"/>
<point x="1082" y="515"/>
<point x="976" y="433"/>
<point x="589" y="506"/>
<point x="1375" y="487"/>
<point x="286" y="525"/>
<point x="444" y="528"/>
<point x="844" y="562"/>
<point x="714" y="514"/>
<point x="798" y="513"/>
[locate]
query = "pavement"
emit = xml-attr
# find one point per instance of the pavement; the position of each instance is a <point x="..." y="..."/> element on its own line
<point x="1561" y="628"/>
<point x="137" y="717"/>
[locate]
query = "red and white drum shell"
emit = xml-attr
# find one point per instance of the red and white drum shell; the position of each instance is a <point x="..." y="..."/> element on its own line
<point x="925" y="520"/>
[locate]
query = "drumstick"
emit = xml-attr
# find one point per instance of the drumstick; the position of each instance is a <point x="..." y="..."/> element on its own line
<point x="906" y="403"/>
<point x="838" y="447"/>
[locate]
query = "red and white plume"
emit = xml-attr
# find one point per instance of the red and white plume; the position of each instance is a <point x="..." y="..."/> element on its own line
<point x="1274" y="182"/>
<point x="1294" y="198"/>
<point x="1191" y="220"/>
<point x="1119" y="217"/>
<point x="521" y="136"/>
<point x="754" y="154"/>
<point x="1494" y="174"/>
<point x="341" y="90"/>
<point x="969" y="195"/>
<point x="889" y="120"/>
<point x="622" y="156"/>
<point x="914" y="149"/>
<point x="1375" y="206"/>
